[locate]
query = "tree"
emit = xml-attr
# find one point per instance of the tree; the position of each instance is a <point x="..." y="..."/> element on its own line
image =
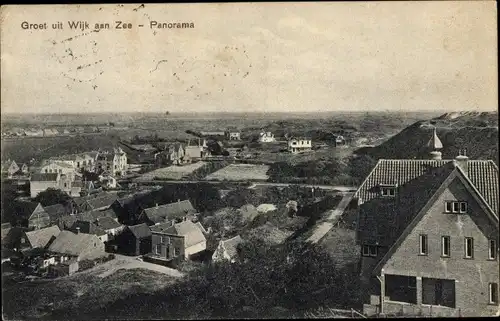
<point x="52" y="196"/>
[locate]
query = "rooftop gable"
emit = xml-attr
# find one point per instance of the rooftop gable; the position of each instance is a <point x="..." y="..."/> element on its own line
<point x="40" y="238"/>
<point x="71" y="243"/>
<point x="456" y="173"/>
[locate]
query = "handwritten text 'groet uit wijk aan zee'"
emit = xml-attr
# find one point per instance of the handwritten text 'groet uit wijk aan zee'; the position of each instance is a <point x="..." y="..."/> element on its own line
<point x="117" y="24"/>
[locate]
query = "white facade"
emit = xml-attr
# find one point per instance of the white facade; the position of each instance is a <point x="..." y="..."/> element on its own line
<point x="299" y="145"/>
<point x="267" y="137"/>
<point x="62" y="168"/>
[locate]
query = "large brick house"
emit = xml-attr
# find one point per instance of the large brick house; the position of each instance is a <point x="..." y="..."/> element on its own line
<point x="428" y="230"/>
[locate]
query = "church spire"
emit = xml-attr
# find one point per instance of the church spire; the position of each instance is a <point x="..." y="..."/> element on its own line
<point x="435" y="144"/>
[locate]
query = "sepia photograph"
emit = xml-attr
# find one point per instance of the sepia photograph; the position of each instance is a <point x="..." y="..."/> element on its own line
<point x="270" y="160"/>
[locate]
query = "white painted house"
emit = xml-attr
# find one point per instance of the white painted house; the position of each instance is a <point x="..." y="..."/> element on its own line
<point x="299" y="145"/>
<point x="266" y="137"/>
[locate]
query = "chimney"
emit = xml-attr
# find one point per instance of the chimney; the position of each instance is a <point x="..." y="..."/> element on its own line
<point x="178" y="200"/>
<point x="77" y="230"/>
<point x="156" y="204"/>
<point x="461" y="161"/>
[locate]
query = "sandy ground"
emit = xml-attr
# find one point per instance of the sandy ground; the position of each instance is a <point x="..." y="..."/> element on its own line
<point x="129" y="262"/>
<point x="171" y="172"/>
<point x="240" y="172"/>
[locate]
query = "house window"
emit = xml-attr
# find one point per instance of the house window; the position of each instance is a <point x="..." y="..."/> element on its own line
<point x="492" y="250"/>
<point x="157" y="249"/>
<point x="60" y="171"/>
<point x="388" y="191"/>
<point x="370" y="250"/>
<point x="469" y="247"/>
<point x="423" y="244"/>
<point x="445" y="246"/>
<point x="455" y="207"/>
<point x="177" y="251"/>
<point x="493" y="291"/>
<point x="46" y="170"/>
<point x="23" y="240"/>
<point x="165" y="239"/>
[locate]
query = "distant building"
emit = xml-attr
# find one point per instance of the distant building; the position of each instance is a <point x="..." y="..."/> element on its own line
<point x="428" y="231"/>
<point x="193" y="234"/>
<point x="171" y="154"/>
<point x="40" y="182"/>
<point x="227" y="250"/>
<point x="10" y="168"/>
<point x="340" y="141"/>
<point x="134" y="240"/>
<point x="299" y="145"/>
<point x="233" y="135"/>
<point x="266" y="137"/>
<point x="176" y="211"/>
<point x="41" y="238"/>
<point x="166" y="247"/>
<point x="89" y="228"/>
<point x="115" y="163"/>
<point x="60" y="167"/>
<point x="78" y="246"/>
<point x="198" y="152"/>
<point x="212" y="133"/>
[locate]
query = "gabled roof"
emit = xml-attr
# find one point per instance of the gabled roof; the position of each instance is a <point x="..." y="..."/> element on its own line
<point x="88" y="228"/>
<point x="40" y="238"/>
<point x="140" y="230"/>
<point x="55" y="211"/>
<point x="162" y="227"/>
<point x="103" y="201"/>
<point x="457" y="172"/>
<point x="44" y="177"/>
<point x="482" y="173"/>
<point x="97" y="214"/>
<point x="27" y="209"/>
<point x="107" y="223"/>
<point x="191" y="232"/>
<point x="231" y="245"/>
<point x="71" y="243"/>
<point x="169" y="211"/>
<point x="382" y="220"/>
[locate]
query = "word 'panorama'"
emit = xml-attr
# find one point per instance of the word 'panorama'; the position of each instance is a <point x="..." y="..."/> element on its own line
<point x="171" y="25"/>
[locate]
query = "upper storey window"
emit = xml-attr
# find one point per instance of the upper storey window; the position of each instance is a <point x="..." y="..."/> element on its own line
<point x="455" y="207"/>
<point x="388" y="191"/>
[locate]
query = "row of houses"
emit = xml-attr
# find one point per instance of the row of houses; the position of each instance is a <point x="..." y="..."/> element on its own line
<point x="10" y="168"/>
<point x="179" y="154"/>
<point x="48" y="132"/>
<point x="64" y="172"/>
<point x="228" y="134"/>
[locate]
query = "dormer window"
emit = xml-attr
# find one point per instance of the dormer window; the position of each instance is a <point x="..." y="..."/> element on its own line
<point x="388" y="191"/>
<point x="455" y="207"/>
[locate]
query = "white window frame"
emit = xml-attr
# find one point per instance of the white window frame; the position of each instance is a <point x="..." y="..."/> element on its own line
<point x="420" y="244"/>
<point x="444" y="239"/>
<point x="369" y="250"/>
<point x="157" y="249"/>
<point x="465" y="207"/>
<point x="493" y="293"/>
<point x="466" y="240"/>
<point x="457" y="209"/>
<point x="492" y="249"/>
<point x="446" y="209"/>
<point x="388" y="191"/>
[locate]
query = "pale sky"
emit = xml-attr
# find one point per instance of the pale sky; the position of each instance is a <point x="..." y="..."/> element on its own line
<point x="253" y="57"/>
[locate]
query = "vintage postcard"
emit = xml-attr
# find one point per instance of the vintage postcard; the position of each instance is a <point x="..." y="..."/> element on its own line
<point x="249" y="160"/>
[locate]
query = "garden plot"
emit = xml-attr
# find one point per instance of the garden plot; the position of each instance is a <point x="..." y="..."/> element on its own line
<point x="240" y="172"/>
<point x="171" y="172"/>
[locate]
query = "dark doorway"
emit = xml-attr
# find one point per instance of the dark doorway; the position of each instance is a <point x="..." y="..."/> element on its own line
<point x="401" y="288"/>
<point x="438" y="292"/>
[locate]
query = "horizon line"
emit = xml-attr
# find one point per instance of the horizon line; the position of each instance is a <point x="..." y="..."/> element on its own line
<point x="246" y="112"/>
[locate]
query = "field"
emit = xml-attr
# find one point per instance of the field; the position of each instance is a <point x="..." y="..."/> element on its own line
<point x="240" y="172"/>
<point x="171" y="172"/>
